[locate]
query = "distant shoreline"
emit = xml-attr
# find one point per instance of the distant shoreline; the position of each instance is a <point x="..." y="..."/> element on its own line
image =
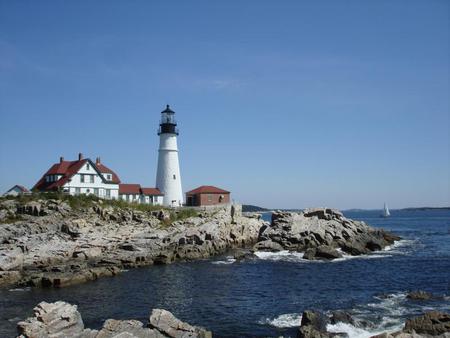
<point x="254" y="208"/>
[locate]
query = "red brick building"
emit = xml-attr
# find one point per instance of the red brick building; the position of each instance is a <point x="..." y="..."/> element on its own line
<point x="207" y="195"/>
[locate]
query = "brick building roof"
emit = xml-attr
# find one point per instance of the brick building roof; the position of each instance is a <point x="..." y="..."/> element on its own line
<point x="207" y="189"/>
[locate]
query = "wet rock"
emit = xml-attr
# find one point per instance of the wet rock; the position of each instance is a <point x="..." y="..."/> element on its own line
<point x="322" y="252"/>
<point x="419" y="295"/>
<point x="313" y="325"/>
<point x="432" y="323"/>
<point x="341" y="317"/>
<point x="243" y="254"/>
<point x="268" y="245"/>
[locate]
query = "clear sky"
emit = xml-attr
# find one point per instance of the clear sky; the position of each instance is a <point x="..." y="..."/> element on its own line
<point x="285" y="103"/>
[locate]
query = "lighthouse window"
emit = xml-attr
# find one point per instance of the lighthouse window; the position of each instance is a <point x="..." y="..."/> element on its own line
<point x="174" y="177"/>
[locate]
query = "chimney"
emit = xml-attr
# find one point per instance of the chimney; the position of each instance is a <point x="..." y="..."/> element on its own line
<point x="80" y="156"/>
<point x="61" y="159"/>
<point x="97" y="160"/>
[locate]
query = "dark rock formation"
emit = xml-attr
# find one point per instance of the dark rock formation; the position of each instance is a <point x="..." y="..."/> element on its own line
<point x="419" y="295"/>
<point x="313" y="325"/>
<point x="61" y="319"/>
<point x="319" y="233"/>
<point x="432" y="323"/>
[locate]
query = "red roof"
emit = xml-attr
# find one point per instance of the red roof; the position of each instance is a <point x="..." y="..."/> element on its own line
<point x="151" y="192"/>
<point x="135" y="189"/>
<point x="67" y="169"/>
<point x="105" y="170"/>
<point x="21" y="187"/>
<point x="129" y="189"/>
<point x="207" y="189"/>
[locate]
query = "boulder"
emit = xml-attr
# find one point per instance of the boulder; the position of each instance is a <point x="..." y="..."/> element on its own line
<point x="313" y="325"/>
<point x="341" y="317"/>
<point x="55" y="320"/>
<point x="431" y="323"/>
<point x="268" y="245"/>
<point x="166" y="323"/>
<point x="126" y="328"/>
<point x="419" y="295"/>
<point x="60" y="320"/>
<point x="322" y="252"/>
<point x="324" y="229"/>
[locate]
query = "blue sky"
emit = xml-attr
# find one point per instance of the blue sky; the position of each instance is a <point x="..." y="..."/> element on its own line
<point x="285" y="103"/>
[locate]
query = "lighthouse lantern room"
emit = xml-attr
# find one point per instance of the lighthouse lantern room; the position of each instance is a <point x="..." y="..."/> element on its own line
<point x="168" y="179"/>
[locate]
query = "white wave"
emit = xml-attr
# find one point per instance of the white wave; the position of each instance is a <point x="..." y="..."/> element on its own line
<point x="20" y="289"/>
<point x="283" y="255"/>
<point x="399" y="246"/>
<point x="228" y="260"/>
<point x="284" y="321"/>
<point x="356" y="332"/>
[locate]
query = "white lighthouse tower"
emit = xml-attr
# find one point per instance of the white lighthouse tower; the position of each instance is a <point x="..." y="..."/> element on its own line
<point x="168" y="179"/>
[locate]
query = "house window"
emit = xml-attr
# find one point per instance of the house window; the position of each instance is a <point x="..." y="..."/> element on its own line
<point x="77" y="191"/>
<point x="108" y="193"/>
<point x="92" y="178"/>
<point x="88" y="166"/>
<point x="96" y="191"/>
<point x="88" y="191"/>
<point x="210" y="198"/>
<point x="81" y="178"/>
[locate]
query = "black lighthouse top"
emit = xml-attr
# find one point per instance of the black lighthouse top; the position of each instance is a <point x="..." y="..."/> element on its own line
<point x="168" y="124"/>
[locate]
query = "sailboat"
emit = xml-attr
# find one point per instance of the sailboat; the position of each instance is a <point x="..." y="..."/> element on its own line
<point x="386" y="212"/>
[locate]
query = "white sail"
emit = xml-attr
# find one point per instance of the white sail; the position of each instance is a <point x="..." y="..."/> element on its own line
<point x="386" y="212"/>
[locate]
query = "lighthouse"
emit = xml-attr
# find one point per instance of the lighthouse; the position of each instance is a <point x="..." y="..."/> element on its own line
<point x="168" y="179"/>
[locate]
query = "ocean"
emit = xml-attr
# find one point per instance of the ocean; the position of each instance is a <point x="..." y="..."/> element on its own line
<point x="265" y="296"/>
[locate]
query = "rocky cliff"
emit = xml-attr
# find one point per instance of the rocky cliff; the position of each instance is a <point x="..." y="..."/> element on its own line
<point x="51" y="244"/>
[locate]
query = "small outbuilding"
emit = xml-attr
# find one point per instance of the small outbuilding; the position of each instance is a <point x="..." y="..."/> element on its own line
<point x="207" y="195"/>
<point x="17" y="190"/>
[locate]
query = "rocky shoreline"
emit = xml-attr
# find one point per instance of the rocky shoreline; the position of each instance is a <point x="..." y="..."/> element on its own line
<point x="50" y="244"/>
<point x="55" y="246"/>
<point x="60" y="319"/>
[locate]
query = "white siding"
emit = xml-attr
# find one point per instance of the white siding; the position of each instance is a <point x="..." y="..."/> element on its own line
<point x="87" y="187"/>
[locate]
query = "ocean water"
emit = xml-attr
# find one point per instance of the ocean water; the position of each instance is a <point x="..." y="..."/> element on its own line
<point x="266" y="296"/>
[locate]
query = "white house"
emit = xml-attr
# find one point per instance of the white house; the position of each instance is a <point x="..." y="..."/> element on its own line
<point x="83" y="176"/>
<point x="17" y="190"/>
<point x="136" y="194"/>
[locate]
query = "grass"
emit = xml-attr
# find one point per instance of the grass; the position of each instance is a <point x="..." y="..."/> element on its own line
<point x="82" y="201"/>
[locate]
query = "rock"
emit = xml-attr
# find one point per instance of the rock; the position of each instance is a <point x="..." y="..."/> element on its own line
<point x="268" y="246"/>
<point x="126" y="328"/>
<point x="325" y="230"/>
<point x="313" y="325"/>
<point x="432" y="323"/>
<point x="419" y="295"/>
<point x="243" y="254"/>
<point x="322" y="252"/>
<point x="80" y="245"/>
<point x="57" y="319"/>
<point x="60" y="319"/>
<point x="341" y="317"/>
<point x="169" y="325"/>
<point x="11" y="258"/>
